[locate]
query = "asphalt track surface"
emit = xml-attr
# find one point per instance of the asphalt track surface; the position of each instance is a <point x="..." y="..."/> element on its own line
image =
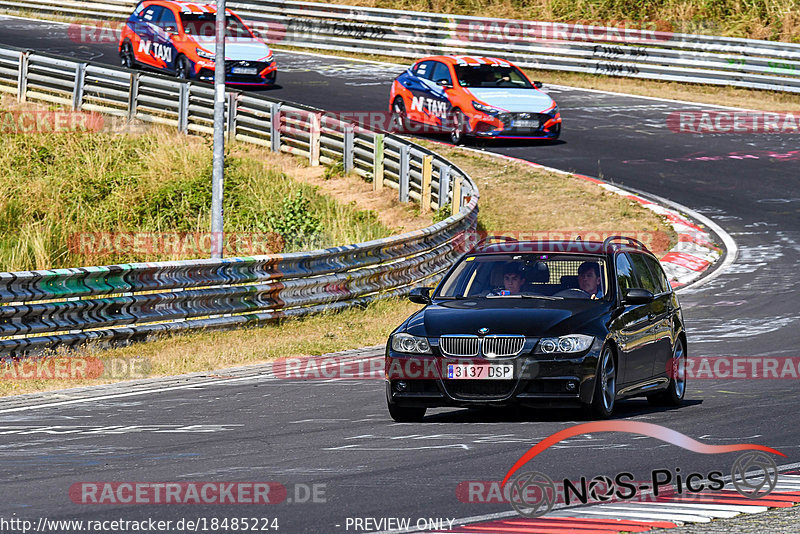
<point x="339" y="433"/>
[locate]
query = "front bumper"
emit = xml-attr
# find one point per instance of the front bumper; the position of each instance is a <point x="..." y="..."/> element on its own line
<point x="516" y="126"/>
<point x="538" y="379"/>
<point x="264" y="72"/>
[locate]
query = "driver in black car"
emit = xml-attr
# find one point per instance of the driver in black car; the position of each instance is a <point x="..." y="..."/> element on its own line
<point x="589" y="279"/>
<point x="513" y="278"/>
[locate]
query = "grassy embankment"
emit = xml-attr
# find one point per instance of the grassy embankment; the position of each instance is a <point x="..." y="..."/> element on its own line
<point x="60" y="194"/>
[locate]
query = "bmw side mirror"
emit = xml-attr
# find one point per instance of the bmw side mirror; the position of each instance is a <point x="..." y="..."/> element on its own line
<point x="537" y="85"/>
<point x="444" y="83"/>
<point x="638" y="296"/>
<point x="420" y="295"/>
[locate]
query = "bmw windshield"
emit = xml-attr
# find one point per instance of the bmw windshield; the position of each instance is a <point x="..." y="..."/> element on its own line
<point x="491" y="76"/>
<point x="546" y="276"/>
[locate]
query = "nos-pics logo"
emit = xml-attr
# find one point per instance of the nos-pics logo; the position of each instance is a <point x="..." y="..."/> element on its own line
<point x="533" y="494"/>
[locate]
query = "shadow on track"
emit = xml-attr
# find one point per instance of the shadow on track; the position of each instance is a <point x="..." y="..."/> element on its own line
<point x="625" y="409"/>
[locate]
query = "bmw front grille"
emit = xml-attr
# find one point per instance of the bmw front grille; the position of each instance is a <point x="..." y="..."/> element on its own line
<point x="489" y="346"/>
<point x="494" y="346"/>
<point x="459" y="345"/>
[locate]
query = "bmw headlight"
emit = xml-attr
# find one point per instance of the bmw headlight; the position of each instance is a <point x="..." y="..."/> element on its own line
<point x="203" y="54"/>
<point x="564" y="344"/>
<point x="410" y="344"/>
<point x="484" y="108"/>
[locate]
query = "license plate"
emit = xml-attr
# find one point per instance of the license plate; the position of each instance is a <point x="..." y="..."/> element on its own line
<point x="244" y="70"/>
<point x="478" y="371"/>
<point x="526" y="124"/>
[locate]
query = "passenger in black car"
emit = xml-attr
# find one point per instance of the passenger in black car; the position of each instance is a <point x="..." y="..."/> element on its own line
<point x="589" y="279"/>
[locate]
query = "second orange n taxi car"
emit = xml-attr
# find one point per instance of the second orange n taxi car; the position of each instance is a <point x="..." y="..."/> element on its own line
<point x="475" y="96"/>
<point x="179" y="37"/>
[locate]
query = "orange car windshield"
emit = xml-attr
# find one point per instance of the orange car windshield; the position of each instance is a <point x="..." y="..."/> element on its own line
<point x="202" y="24"/>
<point x="491" y="76"/>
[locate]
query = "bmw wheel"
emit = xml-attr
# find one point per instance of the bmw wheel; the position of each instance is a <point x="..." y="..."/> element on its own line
<point x="126" y="57"/>
<point x="183" y="69"/>
<point x="605" y="385"/>
<point x="676" y="390"/>
<point x="458" y="127"/>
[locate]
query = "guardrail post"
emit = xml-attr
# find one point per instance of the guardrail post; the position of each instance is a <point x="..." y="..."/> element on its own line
<point x="377" y="163"/>
<point x="427" y="171"/>
<point x="456" y="196"/>
<point x="405" y="152"/>
<point x="77" y="90"/>
<point x="133" y="93"/>
<point x="233" y="99"/>
<point x="183" y="107"/>
<point x="444" y="185"/>
<point x="22" y="77"/>
<point x="314" y="132"/>
<point x="275" y="126"/>
<point x="347" y="151"/>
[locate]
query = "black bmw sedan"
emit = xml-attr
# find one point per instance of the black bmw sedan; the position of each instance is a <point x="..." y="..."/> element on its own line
<point x="541" y="323"/>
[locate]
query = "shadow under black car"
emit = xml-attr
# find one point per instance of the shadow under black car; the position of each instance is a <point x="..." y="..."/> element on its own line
<point x="489" y="414"/>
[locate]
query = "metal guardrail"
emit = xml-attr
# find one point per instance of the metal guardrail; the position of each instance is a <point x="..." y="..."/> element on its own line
<point x="636" y="53"/>
<point x="67" y="307"/>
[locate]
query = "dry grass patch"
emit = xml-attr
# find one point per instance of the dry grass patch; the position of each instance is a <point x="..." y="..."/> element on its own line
<point x="353" y="190"/>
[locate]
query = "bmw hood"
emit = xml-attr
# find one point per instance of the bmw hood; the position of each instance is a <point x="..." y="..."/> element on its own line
<point x="514" y="100"/>
<point x="237" y="49"/>
<point x="532" y="318"/>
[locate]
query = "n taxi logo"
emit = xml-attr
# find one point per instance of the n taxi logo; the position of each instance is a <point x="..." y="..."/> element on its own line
<point x="533" y="494"/>
<point x="437" y="108"/>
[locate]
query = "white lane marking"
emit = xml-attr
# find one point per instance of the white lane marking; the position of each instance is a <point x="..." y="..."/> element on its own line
<point x="59" y="22"/>
<point x="360" y="448"/>
<point x="25" y="430"/>
<point x="625" y="514"/>
<point x="645" y="508"/>
<point x="745" y="509"/>
<point x="133" y="393"/>
<point x="343" y="58"/>
<point x="659" y="99"/>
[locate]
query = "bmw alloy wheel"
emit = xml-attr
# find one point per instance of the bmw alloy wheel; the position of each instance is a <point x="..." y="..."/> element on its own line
<point x="608" y="380"/>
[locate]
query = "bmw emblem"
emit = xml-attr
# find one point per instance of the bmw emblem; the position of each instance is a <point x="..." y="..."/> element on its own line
<point x="483" y="331"/>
